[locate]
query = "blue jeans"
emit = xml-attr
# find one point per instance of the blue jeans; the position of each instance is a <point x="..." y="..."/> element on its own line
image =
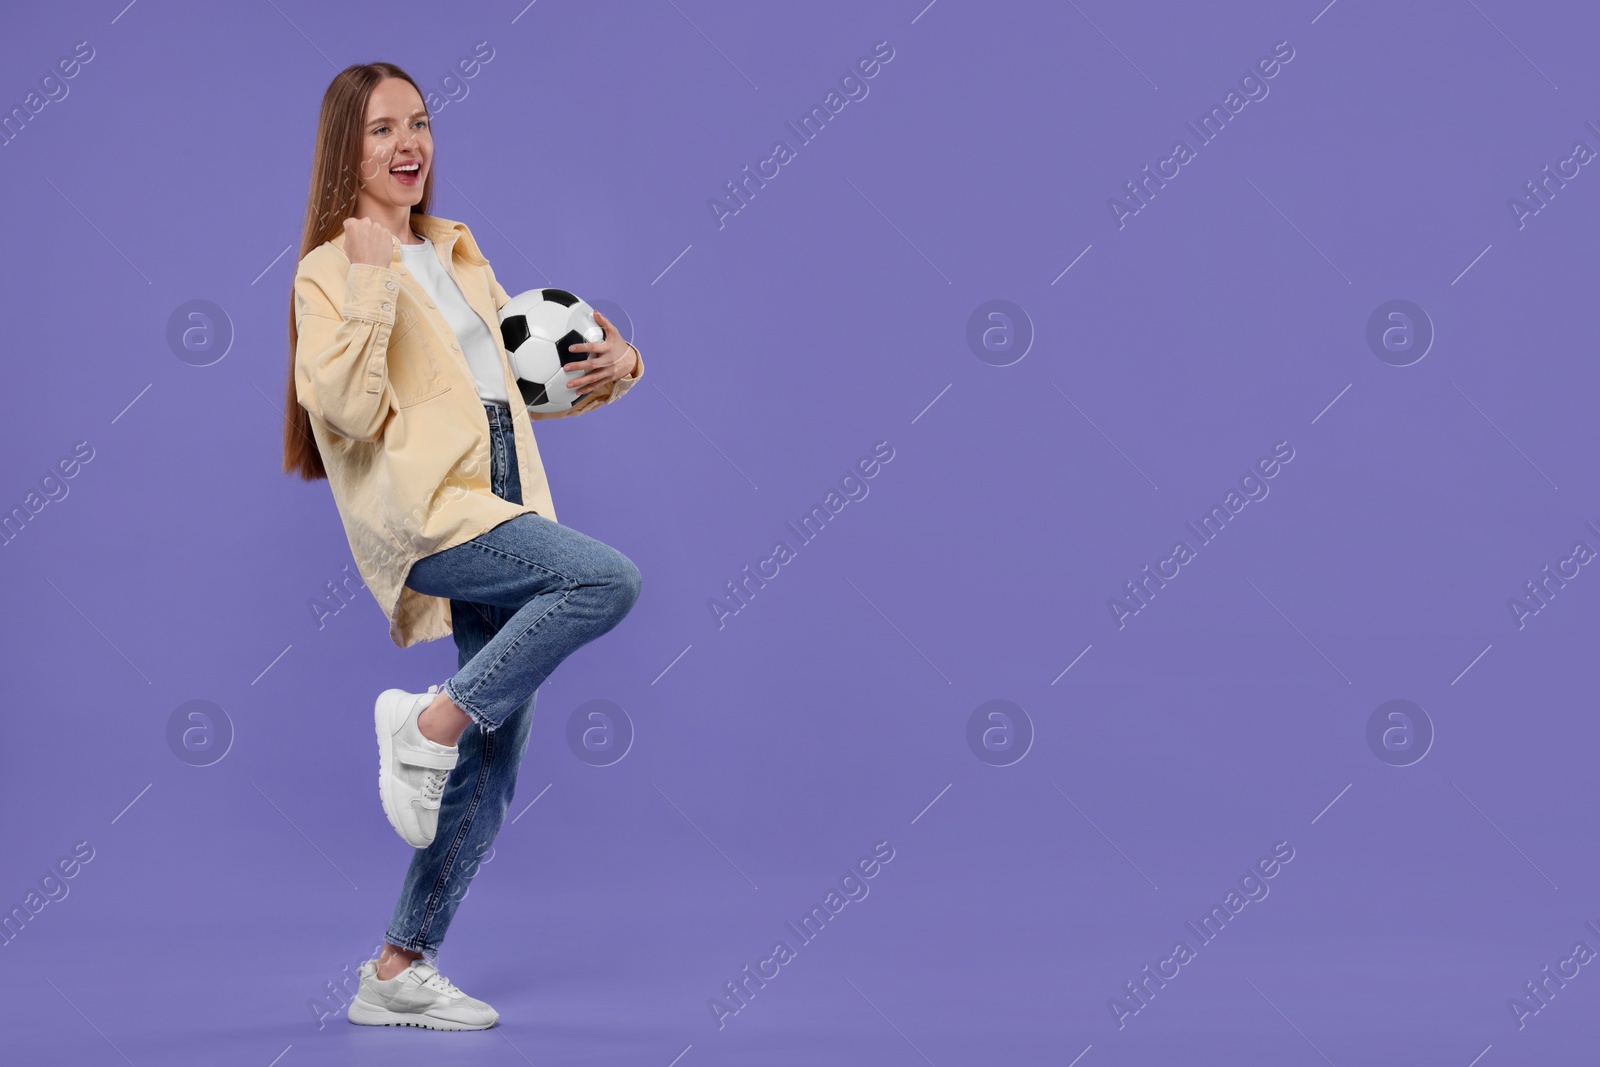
<point x="523" y="596"/>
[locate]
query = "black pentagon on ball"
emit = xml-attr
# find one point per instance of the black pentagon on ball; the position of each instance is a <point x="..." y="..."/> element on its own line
<point x="564" y="346"/>
<point x="560" y="296"/>
<point x="532" y="392"/>
<point x="514" y="331"/>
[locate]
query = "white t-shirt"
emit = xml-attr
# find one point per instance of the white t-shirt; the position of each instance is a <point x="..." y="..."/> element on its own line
<point x="471" y="332"/>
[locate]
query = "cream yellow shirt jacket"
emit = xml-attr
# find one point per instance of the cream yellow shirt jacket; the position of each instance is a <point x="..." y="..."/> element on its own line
<point x="396" y="414"/>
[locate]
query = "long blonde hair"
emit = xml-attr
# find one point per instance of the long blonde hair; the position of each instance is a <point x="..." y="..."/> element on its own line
<point x="334" y="164"/>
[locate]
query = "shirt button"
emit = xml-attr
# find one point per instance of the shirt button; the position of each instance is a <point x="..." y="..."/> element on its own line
<point x="430" y="303"/>
<point x="388" y="285"/>
<point x="455" y="346"/>
<point x="386" y="307"/>
<point x="402" y="272"/>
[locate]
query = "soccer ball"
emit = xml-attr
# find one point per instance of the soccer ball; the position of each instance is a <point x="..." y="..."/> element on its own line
<point x="539" y="328"/>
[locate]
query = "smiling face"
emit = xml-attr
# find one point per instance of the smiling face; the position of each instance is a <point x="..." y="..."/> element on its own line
<point x="396" y="148"/>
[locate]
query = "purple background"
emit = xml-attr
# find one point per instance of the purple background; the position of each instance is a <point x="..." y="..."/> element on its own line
<point x="831" y="713"/>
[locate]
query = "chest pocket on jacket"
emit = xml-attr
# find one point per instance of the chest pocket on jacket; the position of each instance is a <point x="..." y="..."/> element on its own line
<point x="414" y="372"/>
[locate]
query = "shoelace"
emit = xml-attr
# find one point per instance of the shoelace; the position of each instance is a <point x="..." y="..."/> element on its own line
<point x="443" y="984"/>
<point x="433" y="781"/>
<point x="433" y="787"/>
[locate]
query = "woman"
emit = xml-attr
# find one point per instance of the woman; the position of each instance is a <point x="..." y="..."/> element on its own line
<point x="401" y="395"/>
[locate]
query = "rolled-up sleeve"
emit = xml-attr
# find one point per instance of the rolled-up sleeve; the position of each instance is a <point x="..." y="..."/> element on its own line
<point x="341" y="354"/>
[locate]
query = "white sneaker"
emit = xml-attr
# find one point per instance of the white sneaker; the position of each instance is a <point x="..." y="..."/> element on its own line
<point x="417" y="996"/>
<point x="412" y="770"/>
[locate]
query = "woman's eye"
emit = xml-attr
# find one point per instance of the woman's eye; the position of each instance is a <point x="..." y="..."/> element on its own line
<point x="380" y="129"/>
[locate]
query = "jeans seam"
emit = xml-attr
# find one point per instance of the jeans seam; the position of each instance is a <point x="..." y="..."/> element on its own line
<point x="431" y="909"/>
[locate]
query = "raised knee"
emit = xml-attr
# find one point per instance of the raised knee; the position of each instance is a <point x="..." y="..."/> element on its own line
<point x="627" y="581"/>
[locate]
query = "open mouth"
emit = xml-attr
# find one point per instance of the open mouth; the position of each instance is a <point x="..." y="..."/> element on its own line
<point x="407" y="173"/>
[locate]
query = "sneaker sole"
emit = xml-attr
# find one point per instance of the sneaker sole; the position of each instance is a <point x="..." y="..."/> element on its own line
<point x="364" y="1014"/>
<point x="380" y="727"/>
